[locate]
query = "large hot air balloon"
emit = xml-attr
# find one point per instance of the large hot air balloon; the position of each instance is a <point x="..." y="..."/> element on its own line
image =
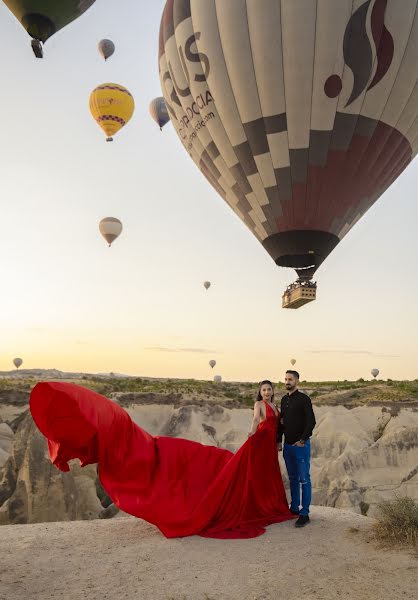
<point x="112" y="106"/>
<point x="207" y="285"/>
<point x="110" y="228"/>
<point x="42" y="19"/>
<point x="17" y="362"/>
<point x="212" y="363"/>
<point x="158" y="111"/>
<point x="299" y="114"/>
<point x="106" y="48"/>
<point x="375" y="372"/>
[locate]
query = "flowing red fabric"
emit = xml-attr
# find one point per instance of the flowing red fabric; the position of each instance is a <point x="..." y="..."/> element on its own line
<point x="182" y="487"/>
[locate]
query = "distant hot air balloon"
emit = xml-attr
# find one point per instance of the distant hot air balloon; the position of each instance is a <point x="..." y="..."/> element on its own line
<point x="158" y="111"/>
<point x="106" y="48"/>
<point x="112" y="106"/>
<point x="17" y="362"/>
<point x="207" y="284"/>
<point x="212" y="363"/>
<point x="110" y="228"/>
<point x="42" y="19"/>
<point x="299" y="114"/>
<point x="217" y="379"/>
<point x="375" y="372"/>
<point x="293" y="362"/>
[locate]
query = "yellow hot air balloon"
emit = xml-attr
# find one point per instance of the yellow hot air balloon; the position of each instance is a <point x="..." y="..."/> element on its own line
<point x="293" y="362"/>
<point x="112" y="106"/>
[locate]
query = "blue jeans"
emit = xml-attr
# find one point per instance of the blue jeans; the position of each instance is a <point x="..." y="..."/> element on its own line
<point x="298" y="461"/>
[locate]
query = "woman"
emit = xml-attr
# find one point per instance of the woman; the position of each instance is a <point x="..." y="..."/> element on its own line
<point x="182" y="487"/>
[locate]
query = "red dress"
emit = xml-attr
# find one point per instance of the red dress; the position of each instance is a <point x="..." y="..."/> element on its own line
<point x="182" y="487"/>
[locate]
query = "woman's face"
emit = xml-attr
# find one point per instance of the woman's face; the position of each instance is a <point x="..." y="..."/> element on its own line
<point x="266" y="392"/>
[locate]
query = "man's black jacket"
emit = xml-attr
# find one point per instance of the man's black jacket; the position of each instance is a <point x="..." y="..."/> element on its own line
<point x="297" y="418"/>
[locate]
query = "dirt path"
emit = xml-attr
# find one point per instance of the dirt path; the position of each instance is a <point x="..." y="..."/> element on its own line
<point x="127" y="559"/>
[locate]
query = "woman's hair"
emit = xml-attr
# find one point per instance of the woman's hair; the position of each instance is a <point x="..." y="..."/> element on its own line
<point x="260" y="385"/>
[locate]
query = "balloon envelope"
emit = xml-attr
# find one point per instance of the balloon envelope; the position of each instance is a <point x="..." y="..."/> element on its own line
<point x="106" y="48"/>
<point x="375" y="372"/>
<point x="17" y="362"/>
<point x="212" y="363"/>
<point x="207" y="284"/>
<point x="110" y="228"/>
<point x="293" y="361"/>
<point x="299" y="114"/>
<point x="158" y="111"/>
<point x="112" y="106"/>
<point x="43" y="19"/>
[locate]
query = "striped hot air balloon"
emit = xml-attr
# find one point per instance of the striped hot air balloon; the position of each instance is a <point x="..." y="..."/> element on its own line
<point x="42" y="19"/>
<point x="158" y="111"/>
<point x="299" y="113"/>
<point x="112" y="106"/>
<point x="110" y="228"/>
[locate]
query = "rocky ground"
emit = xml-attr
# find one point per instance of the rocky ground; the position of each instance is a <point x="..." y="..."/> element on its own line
<point x="331" y="558"/>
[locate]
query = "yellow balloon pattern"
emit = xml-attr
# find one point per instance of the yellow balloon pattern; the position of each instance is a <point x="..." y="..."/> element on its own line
<point x="112" y="106"/>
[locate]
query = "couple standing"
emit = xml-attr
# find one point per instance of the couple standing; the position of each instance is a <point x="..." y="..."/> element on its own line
<point x="184" y="487"/>
<point x="296" y="420"/>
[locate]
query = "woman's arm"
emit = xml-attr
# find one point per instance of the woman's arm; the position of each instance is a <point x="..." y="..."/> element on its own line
<point x="256" y="418"/>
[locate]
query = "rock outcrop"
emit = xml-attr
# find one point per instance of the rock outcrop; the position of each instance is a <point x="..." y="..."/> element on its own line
<point x="359" y="457"/>
<point x="32" y="490"/>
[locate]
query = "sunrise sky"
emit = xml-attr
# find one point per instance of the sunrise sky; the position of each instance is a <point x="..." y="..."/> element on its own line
<point x="71" y="303"/>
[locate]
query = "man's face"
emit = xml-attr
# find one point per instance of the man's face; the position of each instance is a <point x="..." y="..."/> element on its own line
<point x="290" y="382"/>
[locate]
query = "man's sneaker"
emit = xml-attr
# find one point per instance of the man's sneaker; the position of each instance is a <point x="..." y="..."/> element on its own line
<point x="302" y="521"/>
<point x="294" y="512"/>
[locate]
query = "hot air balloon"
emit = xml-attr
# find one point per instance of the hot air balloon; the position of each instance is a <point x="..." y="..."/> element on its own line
<point x="212" y="363"/>
<point x="299" y="114"/>
<point x="110" y="228"/>
<point x="106" y="48"/>
<point x="293" y="362"/>
<point x="375" y="372"/>
<point x="217" y="379"/>
<point x="207" y="285"/>
<point x="158" y="111"/>
<point x="17" y="362"/>
<point x="112" y="106"/>
<point x="42" y="19"/>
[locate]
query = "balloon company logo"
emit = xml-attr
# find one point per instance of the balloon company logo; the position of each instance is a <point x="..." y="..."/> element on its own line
<point x="358" y="50"/>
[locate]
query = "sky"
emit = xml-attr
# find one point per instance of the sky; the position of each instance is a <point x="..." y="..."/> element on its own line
<point x="71" y="303"/>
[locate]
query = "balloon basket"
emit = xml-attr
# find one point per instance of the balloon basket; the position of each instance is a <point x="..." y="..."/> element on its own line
<point x="37" y="48"/>
<point x="299" y="293"/>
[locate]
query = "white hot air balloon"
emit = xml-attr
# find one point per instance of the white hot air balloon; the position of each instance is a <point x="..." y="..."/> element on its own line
<point x="110" y="228"/>
<point x="212" y="363"/>
<point x="375" y="372"/>
<point x="293" y="362"/>
<point x="106" y="48"/>
<point x="17" y="362"/>
<point x="207" y="285"/>
<point x="217" y="379"/>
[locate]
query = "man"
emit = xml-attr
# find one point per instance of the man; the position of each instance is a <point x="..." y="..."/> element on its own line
<point x="296" y="423"/>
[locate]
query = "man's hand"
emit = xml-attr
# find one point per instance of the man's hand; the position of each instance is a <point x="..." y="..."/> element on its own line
<point x="299" y="444"/>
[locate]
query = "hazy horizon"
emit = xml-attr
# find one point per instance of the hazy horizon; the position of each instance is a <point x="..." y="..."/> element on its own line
<point x="71" y="303"/>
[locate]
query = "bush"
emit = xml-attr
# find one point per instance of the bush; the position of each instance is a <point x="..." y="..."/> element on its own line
<point x="397" y="521"/>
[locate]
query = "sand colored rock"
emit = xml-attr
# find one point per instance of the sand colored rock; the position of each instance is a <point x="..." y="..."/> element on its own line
<point x="32" y="490"/>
